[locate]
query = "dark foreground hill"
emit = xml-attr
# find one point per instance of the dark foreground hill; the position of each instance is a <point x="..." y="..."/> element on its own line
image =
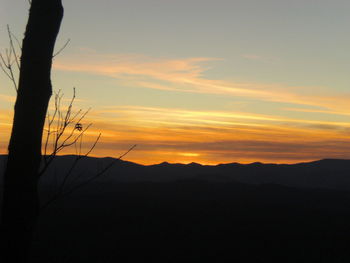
<point x="195" y="221"/>
<point x="193" y="213"/>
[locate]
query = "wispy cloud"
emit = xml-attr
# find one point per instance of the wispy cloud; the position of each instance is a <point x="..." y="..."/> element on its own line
<point x="331" y="112"/>
<point x="120" y="66"/>
<point x="188" y="75"/>
<point x="175" y="116"/>
<point x="207" y="136"/>
<point x="181" y="135"/>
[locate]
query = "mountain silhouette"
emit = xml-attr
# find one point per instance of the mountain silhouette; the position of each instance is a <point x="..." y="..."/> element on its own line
<point x="327" y="173"/>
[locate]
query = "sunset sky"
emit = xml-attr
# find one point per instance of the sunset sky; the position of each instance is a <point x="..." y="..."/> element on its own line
<point x="202" y="80"/>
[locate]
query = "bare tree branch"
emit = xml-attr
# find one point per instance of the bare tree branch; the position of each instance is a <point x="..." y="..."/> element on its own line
<point x="12" y="47"/>
<point x="58" y="137"/>
<point x="62" y="48"/>
<point x="91" y="179"/>
<point x="9" y="58"/>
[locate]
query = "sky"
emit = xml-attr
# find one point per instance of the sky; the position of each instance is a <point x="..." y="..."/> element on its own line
<point x="201" y="80"/>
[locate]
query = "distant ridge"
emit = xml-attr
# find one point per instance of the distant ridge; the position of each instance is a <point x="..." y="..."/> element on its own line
<point x="326" y="173"/>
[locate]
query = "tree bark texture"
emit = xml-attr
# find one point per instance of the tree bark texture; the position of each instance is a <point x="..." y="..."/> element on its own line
<point x="20" y="197"/>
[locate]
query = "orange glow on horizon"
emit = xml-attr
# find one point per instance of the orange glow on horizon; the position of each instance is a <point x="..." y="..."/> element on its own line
<point x="211" y="137"/>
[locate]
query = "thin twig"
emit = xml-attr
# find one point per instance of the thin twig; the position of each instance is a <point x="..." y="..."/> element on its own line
<point x="9" y="58"/>
<point x="62" y="48"/>
<point x="12" y="47"/>
<point x="79" y="157"/>
<point x="105" y="169"/>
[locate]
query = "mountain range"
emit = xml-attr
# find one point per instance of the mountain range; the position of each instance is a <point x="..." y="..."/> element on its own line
<point x="326" y="173"/>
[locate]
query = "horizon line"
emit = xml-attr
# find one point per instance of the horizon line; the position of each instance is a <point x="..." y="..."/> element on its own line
<point x="202" y="164"/>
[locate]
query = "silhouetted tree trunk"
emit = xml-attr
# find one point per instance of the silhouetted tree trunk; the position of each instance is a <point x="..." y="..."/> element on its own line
<point x="20" y="200"/>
